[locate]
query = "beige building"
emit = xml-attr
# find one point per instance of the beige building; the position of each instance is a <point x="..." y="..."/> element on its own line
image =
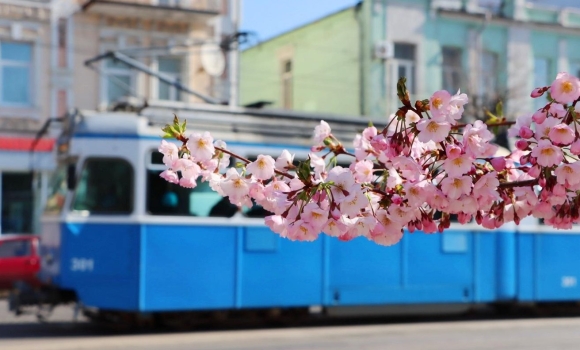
<point x="43" y="48"/>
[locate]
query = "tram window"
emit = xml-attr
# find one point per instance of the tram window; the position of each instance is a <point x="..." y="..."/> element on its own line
<point x="164" y="198"/>
<point x="58" y="190"/>
<point x="105" y="187"/>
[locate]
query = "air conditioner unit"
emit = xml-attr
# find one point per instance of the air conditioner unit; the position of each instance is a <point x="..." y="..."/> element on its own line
<point x="384" y="50"/>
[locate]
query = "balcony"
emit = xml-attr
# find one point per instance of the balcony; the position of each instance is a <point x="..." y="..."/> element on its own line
<point x="168" y="10"/>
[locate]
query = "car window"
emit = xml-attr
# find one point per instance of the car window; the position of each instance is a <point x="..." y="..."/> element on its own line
<point x="14" y="249"/>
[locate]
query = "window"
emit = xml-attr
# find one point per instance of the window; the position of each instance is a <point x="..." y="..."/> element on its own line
<point x="287" y="85"/>
<point x="15" y="73"/>
<point x="105" y="187"/>
<point x="488" y="76"/>
<point x="119" y="80"/>
<point x="15" y="249"/>
<point x="164" y="198"/>
<point x="451" y="69"/>
<point x="57" y="188"/>
<point x="171" y="67"/>
<point x="169" y="2"/>
<point x="17" y="203"/>
<point x="403" y="65"/>
<point x="541" y="78"/>
<point x="62" y="42"/>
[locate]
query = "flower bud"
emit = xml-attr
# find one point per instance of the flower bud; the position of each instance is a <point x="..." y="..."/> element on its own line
<point x="526" y="132"/>
<point x="525" y="159"/>
<point x="522" y="145"/>
<point x="542" y="183"/>
<point x="537" y="92"/>
<point x="534" y="171"/>
<point x="498" y="163"/>
<point x="539" y="117"/>
<point x="575" y="147"/>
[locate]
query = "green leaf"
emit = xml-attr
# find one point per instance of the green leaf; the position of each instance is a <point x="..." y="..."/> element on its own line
<point x="304" y="170"/>
<point x="499" y="109"/>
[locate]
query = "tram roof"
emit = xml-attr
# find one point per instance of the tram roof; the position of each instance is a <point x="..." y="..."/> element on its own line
<point x="223" y="122"/>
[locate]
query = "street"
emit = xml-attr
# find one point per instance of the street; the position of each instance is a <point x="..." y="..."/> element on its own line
<point x="60" y="333"/>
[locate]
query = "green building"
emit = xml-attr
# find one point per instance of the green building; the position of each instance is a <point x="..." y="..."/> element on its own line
<point x="349" y="62"/>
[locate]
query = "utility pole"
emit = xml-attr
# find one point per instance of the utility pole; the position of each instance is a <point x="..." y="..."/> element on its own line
<point x="234" y="54"/>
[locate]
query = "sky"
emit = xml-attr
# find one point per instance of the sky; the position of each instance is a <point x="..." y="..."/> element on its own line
<point x="269" y="18"/>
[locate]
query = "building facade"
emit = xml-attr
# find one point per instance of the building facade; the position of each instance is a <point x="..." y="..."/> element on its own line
<point x="43" y="48"/>
<point x="491" y="49"/>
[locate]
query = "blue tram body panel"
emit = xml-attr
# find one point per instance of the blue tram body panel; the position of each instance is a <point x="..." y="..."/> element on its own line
<point x="101" y="263"/>
<point x="155" y="268"/>
<point x="548" y="267"/>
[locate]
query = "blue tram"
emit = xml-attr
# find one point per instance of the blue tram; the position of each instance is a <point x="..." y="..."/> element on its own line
<point x="117" y="238"/>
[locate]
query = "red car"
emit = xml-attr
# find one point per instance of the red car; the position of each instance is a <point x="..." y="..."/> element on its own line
<point x="19" y="260"/>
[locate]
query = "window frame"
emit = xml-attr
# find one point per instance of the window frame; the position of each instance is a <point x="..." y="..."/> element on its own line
<point x="488" y="91"/>
<point x="395" y="63"/>
<point x="174" y="94"/>
<point x="20" y="64"/>
<point x="448" y="69"/>
<point x="91" y="213"/>
<point x="107" y="72"/>
<point x="287" y="83"/>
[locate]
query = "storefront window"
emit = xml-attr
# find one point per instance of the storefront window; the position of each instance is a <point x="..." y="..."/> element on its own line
<point x="17" y="203"/>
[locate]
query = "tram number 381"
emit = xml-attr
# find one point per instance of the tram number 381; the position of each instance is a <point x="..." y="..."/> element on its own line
<point x="82" y="264"/>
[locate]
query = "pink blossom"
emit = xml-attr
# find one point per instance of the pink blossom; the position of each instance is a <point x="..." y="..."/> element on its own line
<point x="334" y="227"/>
<point x="344" y="183"/>
<point x="566" y="88"/>
<point x="314" y="215"/>
<point x="411" y="117"/>
<point x="235" y="187"/>
<point x="561" y="134"/>
<point x="568" y="173"/>
<point x="547" y="154"/>
<point x="458" y="166"/>
<point x="284" y="161"/>
<point x="452" y="151"/>
<point x="454" y="187"/>
<point x="363" y="171"/>
<point x="354" y="202"/>
<point x="498" y="163"/>
<point x="437" y="200"/>
<point x="543" y="129"/>
<point x="557" y="110"/>
<point x="575" y="147"/>
<point x="201" y="146"/>
<point x="439" y="103"/>
<point x="170" y="176"/>
<point x="487" y="185"/>
<point x="521" y="121"/>
<point x="431" y="130"/>
<point x="318" y="164"/>
<point x="476" y="139"/>
<point x="539" y="117"/>
<point x="277" y="223"/>
<point x="321" y="132"/>
<point x="170" y="152"/>
<point x="300" y="230"/>
<point x="456" y="106"/>
<point x="262" y="168"/>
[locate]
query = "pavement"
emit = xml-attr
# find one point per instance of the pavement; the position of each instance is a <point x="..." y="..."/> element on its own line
<point x="60" y="333"/>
